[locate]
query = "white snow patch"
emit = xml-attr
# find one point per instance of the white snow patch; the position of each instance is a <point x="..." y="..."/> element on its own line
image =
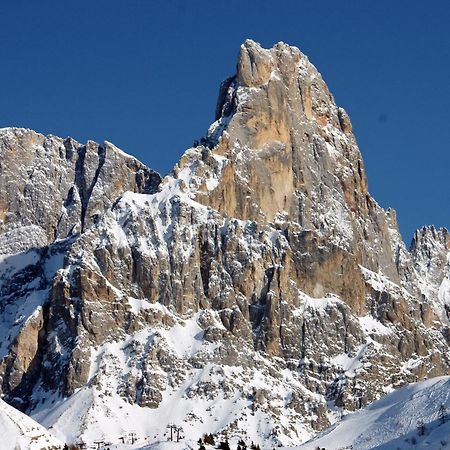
<point x="370" y="325"/>
<point x="381" y="283"/>
<point x="444" y="292"/>
<point x="350" y="364"/>
<point x="137" y="305"/>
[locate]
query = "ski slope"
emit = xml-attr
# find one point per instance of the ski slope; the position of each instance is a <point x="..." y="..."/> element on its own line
<point x="394" y="422"/>
<point x="20" y="432"/>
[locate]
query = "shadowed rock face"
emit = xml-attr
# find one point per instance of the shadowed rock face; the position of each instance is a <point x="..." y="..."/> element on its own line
<point x="263" y="246"/>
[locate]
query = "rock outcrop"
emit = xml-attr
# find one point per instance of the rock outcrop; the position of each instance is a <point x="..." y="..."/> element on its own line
<point x="259" y="274"/>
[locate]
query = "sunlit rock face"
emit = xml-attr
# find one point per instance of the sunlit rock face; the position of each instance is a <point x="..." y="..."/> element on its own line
<point x="258" y="281"/>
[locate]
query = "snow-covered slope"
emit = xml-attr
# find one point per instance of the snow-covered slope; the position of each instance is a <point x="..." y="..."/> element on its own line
<point x="411" y="417"/>
<point x="20" y="432"/>
<point x="245" y="397"/>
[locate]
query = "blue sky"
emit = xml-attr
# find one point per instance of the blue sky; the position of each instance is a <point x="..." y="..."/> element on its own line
<point x="145" y="76"/>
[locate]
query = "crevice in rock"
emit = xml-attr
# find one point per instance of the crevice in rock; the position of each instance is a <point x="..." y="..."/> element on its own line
<point x="85" y="190"/>
<point x="80" y="182"/>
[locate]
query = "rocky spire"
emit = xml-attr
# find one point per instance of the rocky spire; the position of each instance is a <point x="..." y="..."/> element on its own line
<point x="281" y="151"/>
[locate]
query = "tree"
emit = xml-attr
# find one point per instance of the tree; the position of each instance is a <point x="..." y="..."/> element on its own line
<point x="442" y="414"/>
<point x="241" y="445"/>
<point x="421" y="427"/>
<point x="209" y="439"/>
<point x="224" y="445"/>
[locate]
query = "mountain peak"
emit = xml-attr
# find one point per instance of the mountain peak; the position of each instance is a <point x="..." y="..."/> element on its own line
<point x="256" y="65"/>
<point x="282" y="141"/>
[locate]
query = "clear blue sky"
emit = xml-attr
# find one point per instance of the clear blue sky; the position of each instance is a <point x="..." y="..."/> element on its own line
<point x="145" y="76"/>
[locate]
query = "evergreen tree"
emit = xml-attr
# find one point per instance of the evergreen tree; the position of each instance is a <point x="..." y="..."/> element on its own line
<point x="421" y="427"/>
<point x="209" y="439"/>
<point x="224" y="445"/>
<point x="241" y="445"/>
<point x="442" y="413"/>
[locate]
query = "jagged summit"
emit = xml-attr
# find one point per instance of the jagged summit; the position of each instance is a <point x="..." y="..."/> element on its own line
<point x="52" y="188"/>
<point x="259" y="282"/>
<point x="256" y="65"/>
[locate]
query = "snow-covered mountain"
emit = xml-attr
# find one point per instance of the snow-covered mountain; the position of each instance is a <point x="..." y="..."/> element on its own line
<point x="257" y="291"/>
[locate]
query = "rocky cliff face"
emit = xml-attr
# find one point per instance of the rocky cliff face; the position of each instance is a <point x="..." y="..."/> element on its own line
<point x="52" y="188"/>
<point x="430" y="250"/>
<point x="256" y="287"/>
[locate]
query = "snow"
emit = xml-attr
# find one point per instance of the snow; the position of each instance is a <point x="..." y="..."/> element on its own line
<point x="332" y="150"/>
<point x="317" y="304"/>
<point x="208" y="398"/>
<point x="118" y="234"/>
<point x="15" y="315"/>
<point x="10" y="265"/>
<point x="159" y="206"/>
<point x="109" y="418"/>
<point x="138" y="305"/>
<point x="444" y="292"/>
<point x="381" y="283"/>
<point x="350" y="364"/>
<point x="20" y="432"/>
<point x="24" y="292"/>
<point x="370" y="325"/>
<point x="393" y="421"/>
<point x="218" y="127"/>
<point x="275" y="75"/>
<point x="337" y="221"/>
<point x="185" y="337"/>
<point x="99" y="410"/>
